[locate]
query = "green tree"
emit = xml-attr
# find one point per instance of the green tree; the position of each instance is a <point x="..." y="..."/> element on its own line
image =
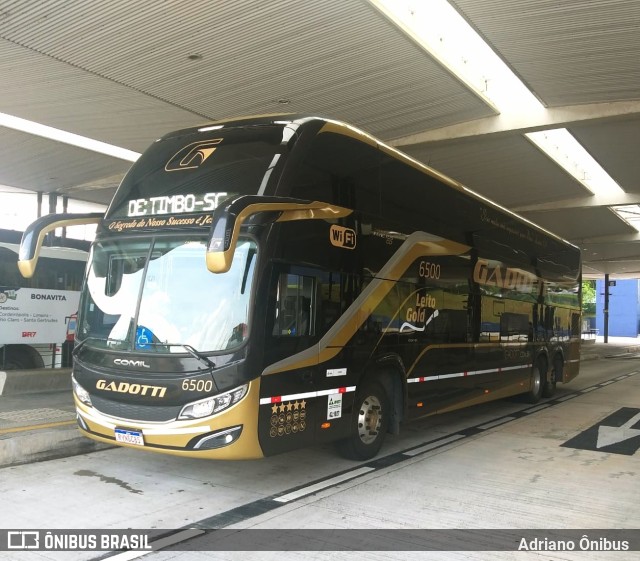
<point x="589" y="298"/>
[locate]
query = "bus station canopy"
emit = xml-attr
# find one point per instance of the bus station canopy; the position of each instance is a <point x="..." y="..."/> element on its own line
<point x="125" y="73"/>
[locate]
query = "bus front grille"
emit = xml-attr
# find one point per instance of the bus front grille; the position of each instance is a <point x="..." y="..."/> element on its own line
<point x="133" y="412"/>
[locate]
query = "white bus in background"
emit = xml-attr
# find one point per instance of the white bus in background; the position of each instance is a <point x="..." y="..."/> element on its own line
<point x="37" y="315"/>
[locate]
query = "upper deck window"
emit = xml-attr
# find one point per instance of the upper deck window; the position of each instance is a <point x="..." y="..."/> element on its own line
<point x="340" y="170"/>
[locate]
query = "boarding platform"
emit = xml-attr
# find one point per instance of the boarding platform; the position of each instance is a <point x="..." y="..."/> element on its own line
<point x="37" y="416"/>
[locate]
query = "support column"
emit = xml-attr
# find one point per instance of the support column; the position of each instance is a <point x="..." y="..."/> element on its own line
<point x="605" y="311"/>
<point x="53" y="203"/>
<point x="65" y="206"/>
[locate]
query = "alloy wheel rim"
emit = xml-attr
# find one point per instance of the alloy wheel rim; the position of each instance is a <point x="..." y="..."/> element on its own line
<point x="369" y="419"/>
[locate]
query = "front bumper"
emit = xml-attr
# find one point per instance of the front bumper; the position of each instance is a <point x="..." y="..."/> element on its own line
<point x="229" y="435"/>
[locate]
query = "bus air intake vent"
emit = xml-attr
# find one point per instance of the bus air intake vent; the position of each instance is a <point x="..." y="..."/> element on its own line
<point x="150" y="413"/>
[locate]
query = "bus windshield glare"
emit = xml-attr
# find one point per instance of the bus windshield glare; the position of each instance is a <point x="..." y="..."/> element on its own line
<point x="156" y="295"/>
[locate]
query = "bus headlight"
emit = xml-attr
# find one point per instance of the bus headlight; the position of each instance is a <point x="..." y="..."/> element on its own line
<point x="213" y="404"/>
<point x="81" y="393"/>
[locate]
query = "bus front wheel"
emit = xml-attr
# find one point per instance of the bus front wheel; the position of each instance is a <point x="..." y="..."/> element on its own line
<point x="369" y="423"/>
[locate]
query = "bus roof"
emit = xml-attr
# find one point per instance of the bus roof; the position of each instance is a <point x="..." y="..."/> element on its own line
<point x="340" y="127"/>
<point x="327" y="125"/>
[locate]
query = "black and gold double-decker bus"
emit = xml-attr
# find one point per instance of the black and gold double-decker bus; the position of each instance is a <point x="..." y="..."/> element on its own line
<point x="268" y="283"/>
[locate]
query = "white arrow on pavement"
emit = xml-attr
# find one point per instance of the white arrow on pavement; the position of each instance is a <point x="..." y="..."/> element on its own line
<point x="612" y="435"/>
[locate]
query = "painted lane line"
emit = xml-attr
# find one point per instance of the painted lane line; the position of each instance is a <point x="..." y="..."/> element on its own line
<point x="567" y="397"/>
<point x="432" y="445"/>
<point x="323" y="485"/>
<point x="158" y="545"/>
<point x="607" y="383"/>
<point x="586" y="390"/>
<point x="496" y="423"/>
<point x="539" y="408"/>
<point x="37" y="427"/>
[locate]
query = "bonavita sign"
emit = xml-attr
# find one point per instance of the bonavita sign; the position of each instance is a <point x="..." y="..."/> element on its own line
<point x="33" y="316"/>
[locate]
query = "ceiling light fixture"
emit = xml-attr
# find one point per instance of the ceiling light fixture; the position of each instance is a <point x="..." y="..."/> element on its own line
<point x="439" y="29"/>
<point x="629" y="213"/>
<point x="30" y="127"/>
<point x="566" y="151"/>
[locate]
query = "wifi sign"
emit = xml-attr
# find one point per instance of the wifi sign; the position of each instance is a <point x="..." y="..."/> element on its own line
<point x="342" y="237"/>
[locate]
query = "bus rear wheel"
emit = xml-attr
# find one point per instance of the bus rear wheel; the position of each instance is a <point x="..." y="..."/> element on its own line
<point x="537" y="383"/>
<point x="549" y="387"/>
<point x="369" y="423"/>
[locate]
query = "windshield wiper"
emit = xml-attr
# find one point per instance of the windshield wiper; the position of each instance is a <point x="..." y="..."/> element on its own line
<point x="193" y="352"/>
<point x="197" y="354"/>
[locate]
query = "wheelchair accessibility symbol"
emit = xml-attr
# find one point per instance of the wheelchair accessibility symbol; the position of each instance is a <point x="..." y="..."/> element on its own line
<point x="144" y="338"/>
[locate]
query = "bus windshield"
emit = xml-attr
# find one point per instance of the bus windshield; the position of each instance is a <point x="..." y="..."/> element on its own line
<point x="157" y="295"/>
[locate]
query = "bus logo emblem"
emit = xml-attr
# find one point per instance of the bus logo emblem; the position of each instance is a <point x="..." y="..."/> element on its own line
<point x="342" y="237"/>
<point x="193" y="155"/>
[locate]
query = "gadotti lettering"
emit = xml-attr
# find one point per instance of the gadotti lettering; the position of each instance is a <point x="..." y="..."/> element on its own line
<point x="513" y="279"/>
<point x="134" y="389"/>
<point x="48" y="297"/>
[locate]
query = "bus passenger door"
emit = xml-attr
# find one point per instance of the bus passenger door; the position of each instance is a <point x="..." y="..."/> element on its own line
<point x="289" y="382"/>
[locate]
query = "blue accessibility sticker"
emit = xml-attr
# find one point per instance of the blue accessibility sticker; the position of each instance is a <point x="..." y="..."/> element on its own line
<point x="144" y="337"/>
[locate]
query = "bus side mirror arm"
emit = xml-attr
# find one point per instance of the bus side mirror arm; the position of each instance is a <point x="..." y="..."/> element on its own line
<point x="229" y="217"/>
<point x="36" y="231"/>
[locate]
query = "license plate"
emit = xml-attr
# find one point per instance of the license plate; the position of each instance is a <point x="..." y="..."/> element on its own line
<point x="130" y="436"/>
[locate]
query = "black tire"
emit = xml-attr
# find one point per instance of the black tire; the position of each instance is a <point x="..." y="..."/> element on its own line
<point x="549" y="387"/>
<point x="20" y="357"/>
<point x="537" y="383"/>
<point x="369" y="423"/>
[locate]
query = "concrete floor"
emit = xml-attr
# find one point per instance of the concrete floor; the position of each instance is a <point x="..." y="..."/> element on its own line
<point x="498" y="466"/>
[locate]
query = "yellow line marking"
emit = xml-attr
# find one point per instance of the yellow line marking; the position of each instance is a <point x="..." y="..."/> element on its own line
<point x="37" y="427"/>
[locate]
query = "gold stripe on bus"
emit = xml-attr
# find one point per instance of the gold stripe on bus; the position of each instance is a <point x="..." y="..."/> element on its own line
<point x="241" y="118"/>
<point x="347" y="130"/>
<point x="418" y="244"/>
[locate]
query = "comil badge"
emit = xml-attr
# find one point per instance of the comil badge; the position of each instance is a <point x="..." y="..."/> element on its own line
<point x="192" y="155"/>
<point x="342" y="237"/>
